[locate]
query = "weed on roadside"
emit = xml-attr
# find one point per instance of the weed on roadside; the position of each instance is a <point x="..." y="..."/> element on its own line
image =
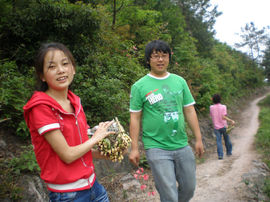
<point x="11" y="169"/>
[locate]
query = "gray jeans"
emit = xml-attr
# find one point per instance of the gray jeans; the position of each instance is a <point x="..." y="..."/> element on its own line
<point x="169" y="167"/>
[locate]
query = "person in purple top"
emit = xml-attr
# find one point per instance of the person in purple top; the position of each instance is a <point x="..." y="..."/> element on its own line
<point x="218" y="113"/>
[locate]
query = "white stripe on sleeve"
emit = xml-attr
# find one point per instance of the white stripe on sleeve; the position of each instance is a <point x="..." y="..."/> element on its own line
<point x="131" y="110"/>
<point x="189" y="104"/>
<point x="48" y="127"/>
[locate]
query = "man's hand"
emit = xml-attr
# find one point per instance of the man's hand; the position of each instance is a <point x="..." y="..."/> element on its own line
<point x="199" y="148"/>
<point x="134" y="157"/>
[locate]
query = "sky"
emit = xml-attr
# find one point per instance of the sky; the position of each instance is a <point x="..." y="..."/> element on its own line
<point x="236" y="13"/>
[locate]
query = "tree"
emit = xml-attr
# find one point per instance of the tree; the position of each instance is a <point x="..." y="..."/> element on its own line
<point x="254" y="39"/>
<point x="110" y="60"/>
<point x="200" y="18"/>
<point x="115" y="10"/>
<point x="266" y="60"/>
<point x="34" y="22"/>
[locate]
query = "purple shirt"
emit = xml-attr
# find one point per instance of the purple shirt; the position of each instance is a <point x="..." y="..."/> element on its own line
<point x="217" y="111"/>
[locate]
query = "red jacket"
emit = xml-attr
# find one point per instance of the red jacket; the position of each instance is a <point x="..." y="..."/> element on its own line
<point x="43" y="114"/>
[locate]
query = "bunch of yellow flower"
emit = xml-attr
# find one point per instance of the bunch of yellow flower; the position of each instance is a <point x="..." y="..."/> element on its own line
<point x="114" y="145"/>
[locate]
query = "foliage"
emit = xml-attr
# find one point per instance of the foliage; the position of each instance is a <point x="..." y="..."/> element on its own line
<point x="208" y="72"/>
<point x="267" y="187"/>
<point x="8" y="186"/>
<point x="265" y="102"/>
<point x="108" y="45"/>
<point x="26" y="162"/>
<point x="15" y="88"/>
<point x="138" y="24"/>
<point x="143" y="162"/>
<point x="266" y="60"/>
<point x="11" y="170"/>
<point x="263" y="137"/>
<point x="237" y="72"/>
<point x="200" y="18"/>
<point x="254" y="39"/>
<point x="32" y="22"/>
<point x="105" y="81"/>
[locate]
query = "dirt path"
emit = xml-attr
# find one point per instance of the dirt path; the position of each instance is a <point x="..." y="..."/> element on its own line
<point x="220" y="180"/>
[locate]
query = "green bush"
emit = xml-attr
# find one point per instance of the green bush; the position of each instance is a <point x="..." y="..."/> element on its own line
<point x="263" y="134"/>
<point x="11" y="170"/>
<point x="263" y="137"/>
<point x="8" y="186"/>
<point x="267" y="187"/>
<point x="15" y="89"/>
<point x="265" y="102"/>
<point x="110" y="57"/>
<point x="27" y="24"/>
<point x="104" y="86"/>
<point x="25" y="163"/>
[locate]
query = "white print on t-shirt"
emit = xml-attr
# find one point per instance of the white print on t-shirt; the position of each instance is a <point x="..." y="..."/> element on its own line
<point x="171" y="115"/>
<point x="152" y="98"/>
<point x="173" y="132"/>
<point x="174" y="117"/>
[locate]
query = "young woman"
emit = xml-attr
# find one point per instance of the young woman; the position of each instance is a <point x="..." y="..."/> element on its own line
<point x="58" y="127"/>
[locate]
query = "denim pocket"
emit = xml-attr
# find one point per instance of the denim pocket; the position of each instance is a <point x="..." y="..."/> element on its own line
<point x="63" y="197"/>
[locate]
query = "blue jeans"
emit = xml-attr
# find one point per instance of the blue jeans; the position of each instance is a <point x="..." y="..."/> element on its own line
<point x="228" y="144"/>
<point x="169" y="167"/>
<point x="97" y="193"/>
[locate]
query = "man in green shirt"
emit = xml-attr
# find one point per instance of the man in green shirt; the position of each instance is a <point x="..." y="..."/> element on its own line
<point x="161" y="101"/>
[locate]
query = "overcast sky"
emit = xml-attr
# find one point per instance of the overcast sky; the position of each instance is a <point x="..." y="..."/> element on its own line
<point x="236" y="13"/>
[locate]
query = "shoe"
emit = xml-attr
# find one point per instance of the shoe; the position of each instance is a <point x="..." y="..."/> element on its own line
<point x="229" y="154"/>
<point x="220" y="158"/>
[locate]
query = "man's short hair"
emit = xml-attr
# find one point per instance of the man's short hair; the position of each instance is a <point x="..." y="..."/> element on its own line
<point x="216" y="98"/>
<point x="158" y="46"/>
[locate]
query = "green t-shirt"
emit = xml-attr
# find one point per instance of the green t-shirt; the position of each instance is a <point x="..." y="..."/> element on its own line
<point x="161" y="101"/>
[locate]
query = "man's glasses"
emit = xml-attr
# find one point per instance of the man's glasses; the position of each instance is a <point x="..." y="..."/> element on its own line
<point x="162" y="56"/>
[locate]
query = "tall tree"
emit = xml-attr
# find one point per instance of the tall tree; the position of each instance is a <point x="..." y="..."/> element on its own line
<point x="34" y="22"/>
<point x="266" y="60"/>
<point x="115" y="11"/>
<point x="200" y="17"/>
<point x="254" y="39"/>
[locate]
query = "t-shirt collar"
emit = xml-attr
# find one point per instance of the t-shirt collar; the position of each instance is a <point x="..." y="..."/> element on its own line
<point x="159" y="78"/>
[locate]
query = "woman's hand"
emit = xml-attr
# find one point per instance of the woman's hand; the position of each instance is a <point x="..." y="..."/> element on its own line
<point x="102" y="131"/>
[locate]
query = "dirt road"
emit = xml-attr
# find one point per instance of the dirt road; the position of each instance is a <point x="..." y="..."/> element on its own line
<point x="220" y="180"/>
